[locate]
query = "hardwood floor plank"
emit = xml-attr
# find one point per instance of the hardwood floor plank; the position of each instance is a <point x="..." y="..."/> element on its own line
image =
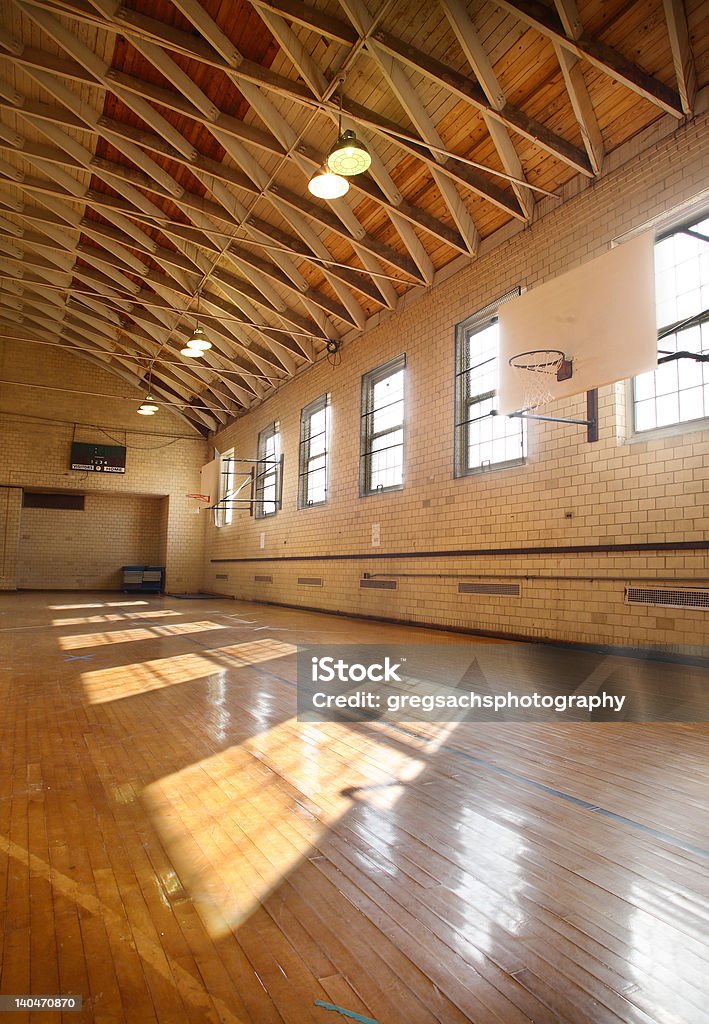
<point x="178" y="848"/>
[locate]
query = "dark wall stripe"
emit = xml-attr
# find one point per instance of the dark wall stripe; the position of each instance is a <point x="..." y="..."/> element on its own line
<point x="570" y="549"/>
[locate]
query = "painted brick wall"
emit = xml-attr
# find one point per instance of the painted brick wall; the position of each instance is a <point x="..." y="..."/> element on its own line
<point x="568" y="493"/>
<point x="141" y="516"/>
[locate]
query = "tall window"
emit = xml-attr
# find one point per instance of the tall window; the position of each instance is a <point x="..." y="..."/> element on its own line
<point x="225" y="511"/>
<point x="382" y="432"/>
<point x="678" y="390"/>
<point x="483" y="439"/>
<point x="268" y="472"/>
<point x="312" y="464"/>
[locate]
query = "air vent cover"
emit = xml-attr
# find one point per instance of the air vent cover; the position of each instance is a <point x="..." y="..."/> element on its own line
<point x="310" y="581"/>
<point x="501" y="589"/>
<point x="665" y="598"/>
<point x="263" y="579"/>
<point x="378" y="584"/>
<point x="222" y="576"/>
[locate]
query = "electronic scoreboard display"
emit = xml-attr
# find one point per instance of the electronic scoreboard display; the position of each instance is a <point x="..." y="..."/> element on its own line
<point x="98" y="458"/>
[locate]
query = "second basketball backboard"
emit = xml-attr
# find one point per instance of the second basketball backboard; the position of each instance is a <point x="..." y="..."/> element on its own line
<point x="601" y="316"/>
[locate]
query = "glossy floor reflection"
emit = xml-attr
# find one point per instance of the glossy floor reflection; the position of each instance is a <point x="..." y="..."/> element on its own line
<point x="176" y="847"/>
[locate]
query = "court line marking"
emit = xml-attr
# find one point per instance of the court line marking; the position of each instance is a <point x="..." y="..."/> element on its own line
<point x="561" y="795"/>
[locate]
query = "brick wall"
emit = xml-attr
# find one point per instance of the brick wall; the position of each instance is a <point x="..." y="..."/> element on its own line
<point x="616" y="491"/>
<point x="64" y="549"/>
<point x="139" y="517"/>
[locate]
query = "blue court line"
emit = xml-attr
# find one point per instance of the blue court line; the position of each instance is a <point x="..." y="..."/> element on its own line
<point x="586" y="805"/>
<point x="577" y="801"/>
<point x="345" y="1013"/>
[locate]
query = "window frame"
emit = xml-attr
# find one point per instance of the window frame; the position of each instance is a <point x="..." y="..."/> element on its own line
<point x="270" y="432"/>
<point x="367" y="437"/>
<point x="225" y="511"/>
<point x="473" y="325"/>
<point x="675" y="426"/>
<point x="305" y="458"/>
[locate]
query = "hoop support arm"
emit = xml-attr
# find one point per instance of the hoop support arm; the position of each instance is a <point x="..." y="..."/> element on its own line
<point x="591" y="423"/>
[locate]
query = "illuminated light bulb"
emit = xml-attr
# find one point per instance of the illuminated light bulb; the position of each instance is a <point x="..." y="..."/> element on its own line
<point x="326" y="185"/>
<point x="198" y="340"/>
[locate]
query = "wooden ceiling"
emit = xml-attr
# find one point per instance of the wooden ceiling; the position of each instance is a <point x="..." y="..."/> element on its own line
<point x="155" y="155"/>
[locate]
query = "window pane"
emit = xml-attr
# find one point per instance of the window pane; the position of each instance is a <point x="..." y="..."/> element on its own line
<point x="314" y="425"/>
<point x="483" y="439"/>
<point x="267" y="472"/>
<point x="388" y="390"/>
<point x="387" y="417"/>
<point x="382" y="428"/>
<point x="673" y="392"/>
<point x="691" y="404"/>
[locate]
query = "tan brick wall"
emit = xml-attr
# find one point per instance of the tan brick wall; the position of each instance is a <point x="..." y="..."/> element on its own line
<point x="144" y="510"/>
<point x="62" y="549"/>
<point x="568" y="493"/>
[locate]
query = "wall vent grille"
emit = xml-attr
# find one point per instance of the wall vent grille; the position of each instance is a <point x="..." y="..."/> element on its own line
<point x="263" y="579"/>
<point x="501" y="589"/>
<point x="665" y="598"/>
<point x="310" y="581"/>
<point x="222" y="576"/>
<point x="378" y="585"/>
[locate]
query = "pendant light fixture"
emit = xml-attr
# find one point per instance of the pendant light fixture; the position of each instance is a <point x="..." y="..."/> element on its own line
<point x="348" y="156"/>
<point x="326" y="185"/>
<point x="198" y="343"/>
<point x="148" y="406"/>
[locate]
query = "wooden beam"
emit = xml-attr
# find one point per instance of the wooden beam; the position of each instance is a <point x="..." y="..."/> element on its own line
<point x="682" y="56"/>
<point x="575" y="83"/>
<point x="602" y="56"/>
<point x="479" y="61"/>
<point x="254" y="74"/>
<point x="462" y="87"/>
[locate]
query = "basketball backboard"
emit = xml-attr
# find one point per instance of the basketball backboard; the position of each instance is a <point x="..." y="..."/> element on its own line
<point x="600" y="315"/>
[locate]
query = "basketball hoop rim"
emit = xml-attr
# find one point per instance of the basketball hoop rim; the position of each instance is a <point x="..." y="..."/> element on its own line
<point x="548" y="361"/>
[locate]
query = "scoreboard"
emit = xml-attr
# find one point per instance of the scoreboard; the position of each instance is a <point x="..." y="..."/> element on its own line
<point x="98" y="458"/>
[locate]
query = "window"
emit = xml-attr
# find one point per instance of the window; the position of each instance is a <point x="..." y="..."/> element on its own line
<point x="482" y="439"/>
<point x="678" y="390"/>
<point x="314" y="441"/>
<point x="225" y="511"/>
<point x="268" y="472"/>
<point x="382" y="431"/>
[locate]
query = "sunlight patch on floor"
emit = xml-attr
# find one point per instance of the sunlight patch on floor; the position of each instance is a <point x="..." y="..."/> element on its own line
<point x="114" y="617"/>
<point x="121" y="681"/>
<point x="94" y="604"/>
<point x="122" y="636"/>
<point x="236" y="824"/>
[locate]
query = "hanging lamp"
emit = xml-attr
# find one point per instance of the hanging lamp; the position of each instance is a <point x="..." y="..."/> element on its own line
<point x="198" y="343"/>
<point x="148" y="406"/>
<point x="326" y="185"/>
<point x="348" y="156"/>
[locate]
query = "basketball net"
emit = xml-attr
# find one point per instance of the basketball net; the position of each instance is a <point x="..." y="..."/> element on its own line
<point x="535" y="371"/>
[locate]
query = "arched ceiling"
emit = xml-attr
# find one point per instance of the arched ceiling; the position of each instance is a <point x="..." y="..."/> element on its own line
<point x="155" y="155"/>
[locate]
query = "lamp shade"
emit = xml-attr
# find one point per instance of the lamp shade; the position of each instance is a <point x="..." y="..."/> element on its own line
<point x="326" y="185"/>
<point x="198" y="340"/>
<point x="148" y="407"/>
<point x="192" y="353"/>
<point x="348" y="156"/>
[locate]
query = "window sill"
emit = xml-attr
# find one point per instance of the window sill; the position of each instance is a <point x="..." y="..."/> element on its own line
<point x="495" y="467"/>
<point x="671" y="430"/>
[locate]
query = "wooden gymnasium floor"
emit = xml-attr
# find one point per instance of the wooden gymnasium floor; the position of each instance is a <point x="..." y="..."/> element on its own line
<point x="175" y="848"/>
